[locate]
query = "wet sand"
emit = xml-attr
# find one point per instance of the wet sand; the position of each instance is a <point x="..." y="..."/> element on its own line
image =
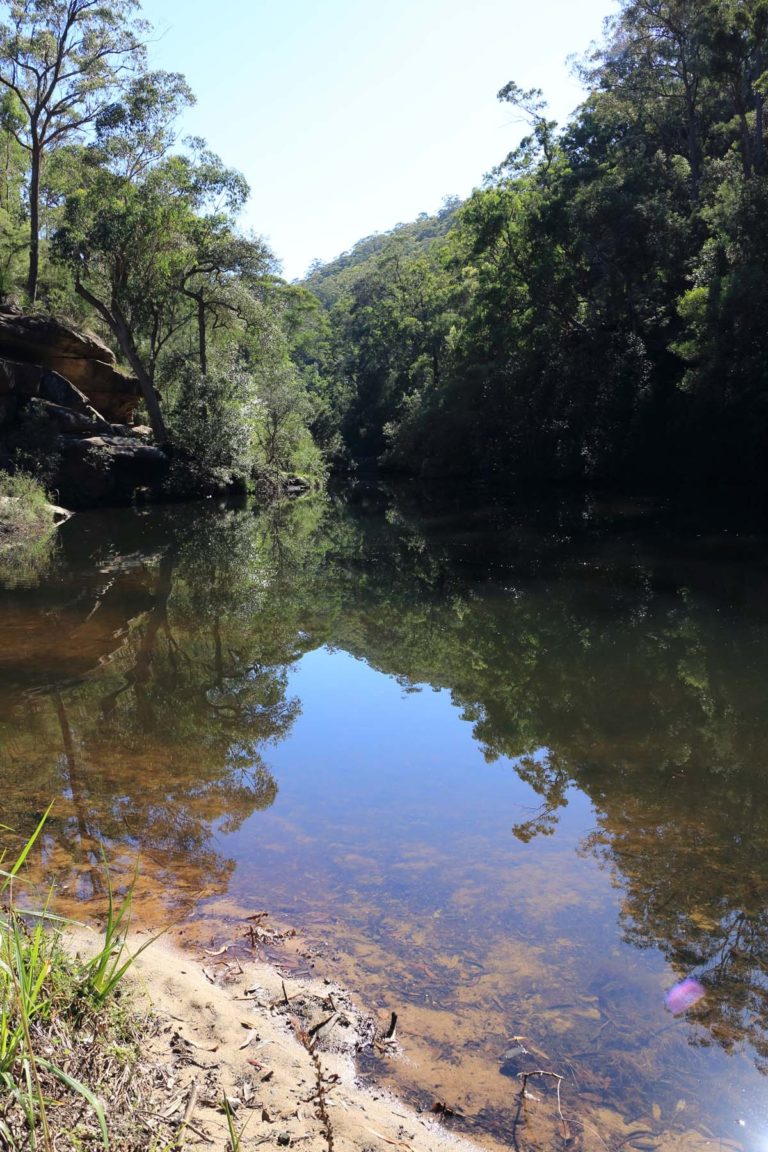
<point x="280" y="1050"/>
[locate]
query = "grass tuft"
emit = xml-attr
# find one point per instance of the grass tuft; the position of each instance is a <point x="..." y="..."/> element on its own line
<point x="23" y="503"/>
<point x="60" y="1024"/>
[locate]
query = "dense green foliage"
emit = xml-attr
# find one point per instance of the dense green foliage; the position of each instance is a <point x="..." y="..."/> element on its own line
<point x="596" y="310"/>
<point x="106" y="218"/>
<point x="62" y="62"/>
<point x="330" y="281"/>
<point x="593" y="313"/>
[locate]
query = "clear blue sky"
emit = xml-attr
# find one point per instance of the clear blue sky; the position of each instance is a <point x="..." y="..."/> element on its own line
<point x="347" y="118"/>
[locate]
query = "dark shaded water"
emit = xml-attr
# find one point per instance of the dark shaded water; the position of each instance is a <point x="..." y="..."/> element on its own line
<point x="505" y="772"/>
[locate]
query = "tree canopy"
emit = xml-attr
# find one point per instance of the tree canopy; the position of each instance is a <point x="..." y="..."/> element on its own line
<point x="61" y="62"/>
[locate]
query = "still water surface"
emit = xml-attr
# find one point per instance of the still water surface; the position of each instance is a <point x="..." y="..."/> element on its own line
<point x="504" y="771"/>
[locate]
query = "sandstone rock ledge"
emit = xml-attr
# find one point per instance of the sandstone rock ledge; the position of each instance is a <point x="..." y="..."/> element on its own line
<point x="62" y="396"/>
<point x="44" y="342"/>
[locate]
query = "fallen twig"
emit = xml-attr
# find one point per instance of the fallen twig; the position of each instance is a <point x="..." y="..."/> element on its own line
<point x="394" y="1143"/>
<point x="326" y="1025"/>
<point x="524" y="1077"/>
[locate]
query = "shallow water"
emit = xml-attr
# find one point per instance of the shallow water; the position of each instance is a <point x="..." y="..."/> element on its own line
<point x="504" y="771"/>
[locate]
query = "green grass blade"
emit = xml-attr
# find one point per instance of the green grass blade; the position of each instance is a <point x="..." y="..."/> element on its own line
<point x="29" y="845"/>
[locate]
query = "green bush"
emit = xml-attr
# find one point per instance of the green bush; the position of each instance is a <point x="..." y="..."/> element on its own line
<point x="236" y="425"/>
<point x="23" y="503"/>
<point x="210" y="418"/>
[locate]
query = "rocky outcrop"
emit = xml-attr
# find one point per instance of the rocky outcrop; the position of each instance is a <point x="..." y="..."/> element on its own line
<point x="68" y="420"/>
<point x="79" y="356"/>
<point x="63" y="402"/>
<point x="110" y="469"/>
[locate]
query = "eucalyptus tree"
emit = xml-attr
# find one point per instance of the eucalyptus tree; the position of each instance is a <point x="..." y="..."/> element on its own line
<point x="538" y="148"/>
<point x="62" y="62"/>
<point x="739" y="61"/>
<point x="148" y="225"/>
<point x="223" y="269"/>
<point x="656" y="61"/>
<point x="13" y="239"/>
<point x="131" y="245"/>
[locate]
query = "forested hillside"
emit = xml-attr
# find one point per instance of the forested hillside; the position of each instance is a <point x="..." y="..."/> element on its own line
<point x="330" y="281"/>
<point x="597" y="310"/>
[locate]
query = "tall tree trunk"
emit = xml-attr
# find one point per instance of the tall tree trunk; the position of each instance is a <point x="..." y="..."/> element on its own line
<point x="120" y="328"/>
<point x="34" y="222"/>
<point x="201" y="335"/>
<point x="694" y="150"/>
<point x="746" y="143"/>
<point x="128" y="347"/>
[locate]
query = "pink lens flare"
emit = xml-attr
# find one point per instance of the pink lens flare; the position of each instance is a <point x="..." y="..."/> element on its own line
<point x="684" y="995"/>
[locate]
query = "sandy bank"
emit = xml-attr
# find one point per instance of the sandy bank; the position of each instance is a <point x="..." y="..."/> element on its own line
<point x="281" y="1051"/>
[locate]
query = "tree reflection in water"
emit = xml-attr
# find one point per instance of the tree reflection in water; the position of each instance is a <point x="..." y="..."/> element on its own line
<point x="148" y="674"/>
<point x="633" y="666"/>
<point x="141" y="687"/>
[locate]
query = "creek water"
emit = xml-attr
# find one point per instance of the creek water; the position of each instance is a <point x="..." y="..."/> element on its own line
<point x="503" y="770"/>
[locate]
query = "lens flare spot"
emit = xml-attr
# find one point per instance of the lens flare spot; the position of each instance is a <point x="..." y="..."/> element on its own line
<point x="684" y="995"/>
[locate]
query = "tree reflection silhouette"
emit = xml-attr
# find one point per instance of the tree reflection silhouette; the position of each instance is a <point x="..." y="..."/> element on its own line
<point x="150" y="675"/>
<point x="161" y="742"/>
<point x="606" y="666"/>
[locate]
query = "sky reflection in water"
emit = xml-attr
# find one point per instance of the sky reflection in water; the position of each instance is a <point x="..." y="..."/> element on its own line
<point x="513" y="772"/>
